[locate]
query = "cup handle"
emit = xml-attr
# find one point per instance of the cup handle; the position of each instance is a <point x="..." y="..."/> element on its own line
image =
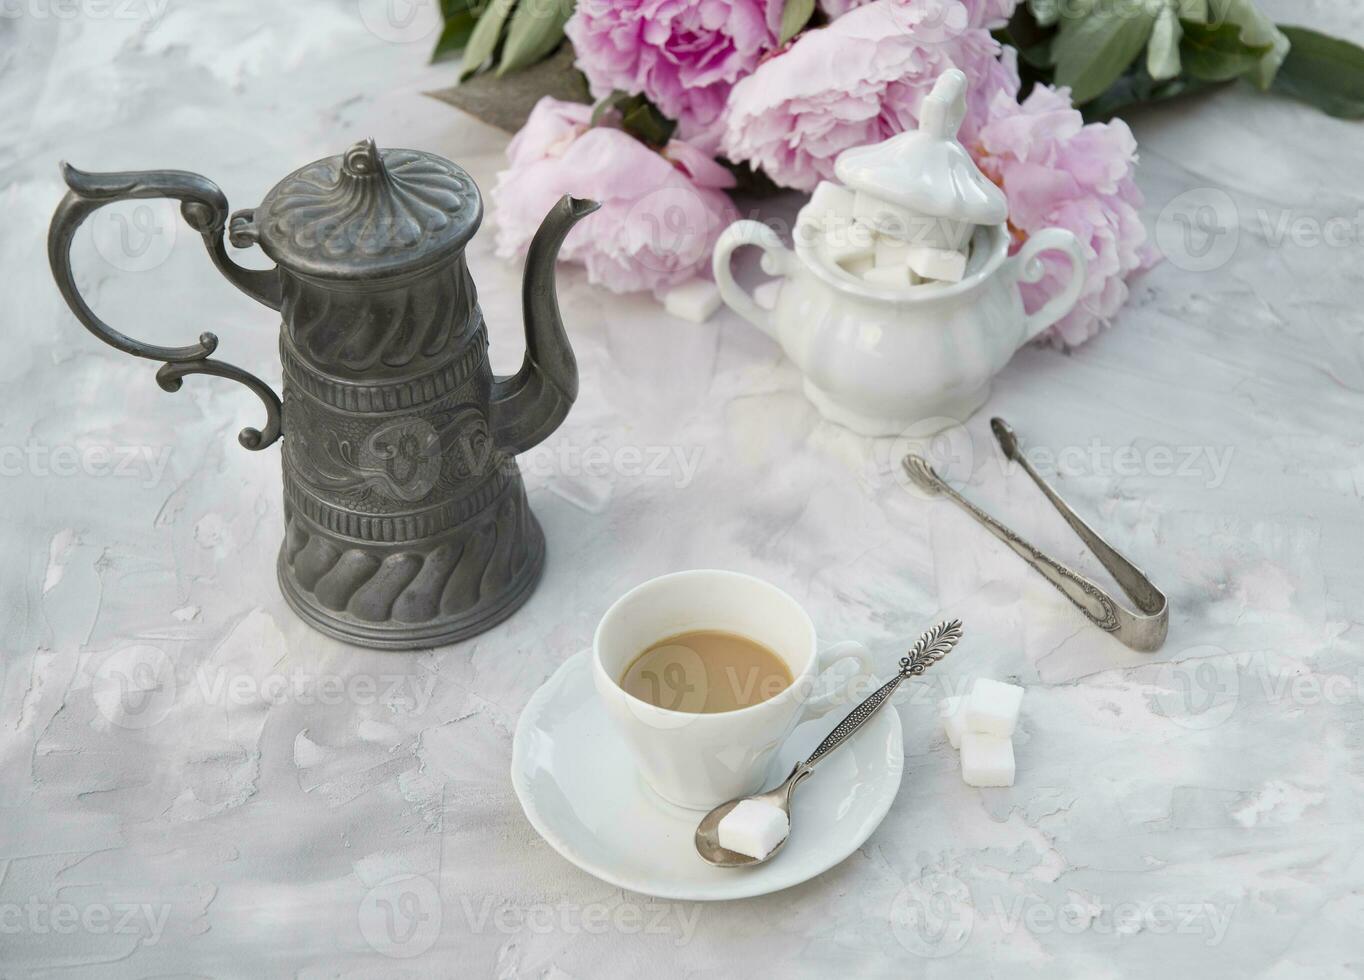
<point x="776" y="262"/>
<point x="1027" y="267"/>
<point x="839" y="668"/>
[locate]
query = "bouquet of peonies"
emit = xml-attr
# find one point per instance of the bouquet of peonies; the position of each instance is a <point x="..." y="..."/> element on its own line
<point x="693" y="96"/>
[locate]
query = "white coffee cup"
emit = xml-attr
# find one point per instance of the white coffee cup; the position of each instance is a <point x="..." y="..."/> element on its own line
<point x="698" y="760"/>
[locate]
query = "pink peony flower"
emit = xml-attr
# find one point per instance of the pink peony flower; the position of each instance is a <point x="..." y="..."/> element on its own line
<point x="977" y="13"/>
<point x="1058" y="172"/>
<point x="860" y="80"/>
<point x="683" y="54"/>
<point x="660" y="214"/>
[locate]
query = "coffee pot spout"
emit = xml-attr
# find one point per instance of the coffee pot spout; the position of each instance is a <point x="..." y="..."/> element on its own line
<point x="529" y="405"/>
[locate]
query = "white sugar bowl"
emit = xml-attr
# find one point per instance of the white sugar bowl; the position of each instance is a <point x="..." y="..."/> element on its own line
<point x="884" y="348"/>
<point x="880" y="360"/>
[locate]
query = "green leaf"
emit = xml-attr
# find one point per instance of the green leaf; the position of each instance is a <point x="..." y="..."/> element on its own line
<point x="1323" y="71"/>
<point x="1031" y="39"/>
<point x="645" y="123"/>
<point x="750" y="182"/>
<point x="1097" y="43"/>
<point x="487" y="32"/>
<point x="638" y="116"/>
<point x="794" y="16"/>
<point x="1217" y="54"/>
<point x="455" y="35"/>
<point x="1256" y="30"/>
<point x="612" y="101"/>
<point x="1137" y="87"/>
<point x="536" y="29"/>
<point x="1046" y="12"/>
<point x="1193" y="10"/>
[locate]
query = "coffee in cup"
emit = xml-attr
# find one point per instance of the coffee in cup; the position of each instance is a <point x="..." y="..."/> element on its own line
<point x="706" y="671"/>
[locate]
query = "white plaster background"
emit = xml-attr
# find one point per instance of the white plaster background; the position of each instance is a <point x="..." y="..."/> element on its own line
<point x="257" y="830"/>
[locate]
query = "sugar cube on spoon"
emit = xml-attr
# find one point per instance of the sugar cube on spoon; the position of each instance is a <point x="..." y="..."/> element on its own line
<point x="753" y="827"/>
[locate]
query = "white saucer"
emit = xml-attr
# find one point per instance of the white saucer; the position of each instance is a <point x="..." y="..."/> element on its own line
<point x="583" y="795"/>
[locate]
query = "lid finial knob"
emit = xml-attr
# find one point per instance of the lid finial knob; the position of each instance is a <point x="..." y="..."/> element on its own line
<point x="945" y="107"/>
<point x="362" y="160"/>
<point x="925" y="173"/>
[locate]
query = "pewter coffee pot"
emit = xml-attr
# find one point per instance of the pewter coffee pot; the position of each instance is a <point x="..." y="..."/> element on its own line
<point x="406" y="521"/>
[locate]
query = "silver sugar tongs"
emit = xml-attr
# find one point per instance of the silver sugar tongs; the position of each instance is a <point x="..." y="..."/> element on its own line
<point x="1143" y="630"/>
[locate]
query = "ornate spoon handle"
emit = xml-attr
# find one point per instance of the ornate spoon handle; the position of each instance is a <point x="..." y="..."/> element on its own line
<point x="931" y="647"/>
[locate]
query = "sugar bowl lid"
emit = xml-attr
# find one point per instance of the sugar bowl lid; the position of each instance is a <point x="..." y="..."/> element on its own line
<point x="364" y="214"/>
<point x="926" y="169"/>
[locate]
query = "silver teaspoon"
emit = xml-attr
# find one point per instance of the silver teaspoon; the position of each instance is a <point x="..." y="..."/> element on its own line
<point x="931" y="647"/>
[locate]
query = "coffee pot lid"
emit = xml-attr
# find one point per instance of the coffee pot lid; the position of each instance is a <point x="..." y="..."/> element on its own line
<point x="363" y="214"/>
<point x="926" y="169"/>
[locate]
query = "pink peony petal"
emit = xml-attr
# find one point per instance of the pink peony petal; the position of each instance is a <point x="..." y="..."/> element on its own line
<point x="859" y="80"/>
<point x="661" y="212"/>
<point x="1058" y="172"/>
<point x="685" y="56"/>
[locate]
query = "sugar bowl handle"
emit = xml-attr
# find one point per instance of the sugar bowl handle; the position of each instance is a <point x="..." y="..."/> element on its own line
<point x="204" y="207"/>
<point x="1027" y="267"/>
<point x="777" y="261"/>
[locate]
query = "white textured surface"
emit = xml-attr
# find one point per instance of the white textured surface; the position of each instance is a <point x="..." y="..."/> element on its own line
<point x="274" y="801"/>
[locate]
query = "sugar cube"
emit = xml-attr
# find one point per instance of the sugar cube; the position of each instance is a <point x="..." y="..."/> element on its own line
<point x="986" y="760"/>
<point x="839" y="238"/>
<point x="753" y="827"/>
<point x="953" y="719"/>
<point x="937" y="263"/>
<point x="841" y="248"/>
<point x="887" y="218"/>
<point x="889" y="276"/>
<point x="891" y="253"/>
<point x="992" y="707"/>
<point x="695" y="300"/>
<point x="858" y="267"/>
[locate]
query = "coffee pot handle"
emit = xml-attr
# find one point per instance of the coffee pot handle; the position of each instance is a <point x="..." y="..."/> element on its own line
<point x="204" y="208"/>
<point x="777" y="261"/>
